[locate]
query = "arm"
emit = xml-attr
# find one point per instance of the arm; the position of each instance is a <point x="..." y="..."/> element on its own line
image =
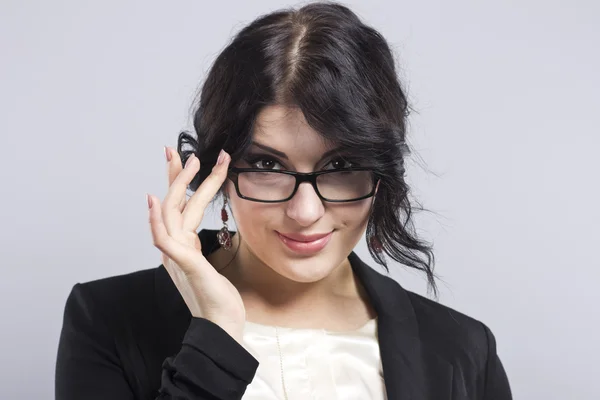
<point x="210" y="365"/>
<point x="87" y="365"/>
<point x="496" y="386"/>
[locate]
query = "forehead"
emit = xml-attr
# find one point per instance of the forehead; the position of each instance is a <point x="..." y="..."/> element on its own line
<point x="286" y="128"/>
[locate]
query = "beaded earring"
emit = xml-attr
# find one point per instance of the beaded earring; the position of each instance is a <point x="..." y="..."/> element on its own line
<point x="374" y="240"/>
<point x="224" y="236"/>
<point x="375" y="244"/>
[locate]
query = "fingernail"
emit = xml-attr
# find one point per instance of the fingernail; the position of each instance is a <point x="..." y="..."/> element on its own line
<point x="189" y="160"/>
<point x="221" y="157"/>
<point x="167" y="154"/>
<point x="149" y="200"/>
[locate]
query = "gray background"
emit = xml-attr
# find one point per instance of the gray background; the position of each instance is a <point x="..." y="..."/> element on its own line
<point x="506" y="140"/>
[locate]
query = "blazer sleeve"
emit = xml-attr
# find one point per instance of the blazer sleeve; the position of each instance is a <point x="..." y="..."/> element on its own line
<point x="496" y="386"/>
<point x="210" y="365"/>
<point x="87" y="364"/>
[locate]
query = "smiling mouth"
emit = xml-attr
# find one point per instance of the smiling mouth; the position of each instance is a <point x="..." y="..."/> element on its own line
<point x="305" y="244"/>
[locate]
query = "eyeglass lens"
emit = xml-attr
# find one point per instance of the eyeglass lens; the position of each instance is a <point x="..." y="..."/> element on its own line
<point x="273" y="186"/>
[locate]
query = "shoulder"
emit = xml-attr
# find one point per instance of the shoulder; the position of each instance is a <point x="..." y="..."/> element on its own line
<point x="463" y="342"/>
<point x="118" y="287"/>
<point x="109" y="297"/>
<point x="434" y="318"/>
<point x="455" y="336"/>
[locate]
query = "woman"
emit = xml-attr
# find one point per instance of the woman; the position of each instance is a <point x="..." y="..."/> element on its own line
<point x="300" y="130"/>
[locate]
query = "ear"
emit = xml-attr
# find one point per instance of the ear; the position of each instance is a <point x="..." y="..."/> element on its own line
<point x="225" y="191"/>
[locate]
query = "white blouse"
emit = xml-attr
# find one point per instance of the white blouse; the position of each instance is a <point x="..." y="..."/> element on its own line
<point x="317" y="364"/>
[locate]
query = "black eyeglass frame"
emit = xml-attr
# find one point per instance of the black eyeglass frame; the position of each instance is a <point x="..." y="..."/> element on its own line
<point x="310" y="177"/>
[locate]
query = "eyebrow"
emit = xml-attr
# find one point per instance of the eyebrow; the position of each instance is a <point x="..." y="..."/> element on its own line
<point x="283" y="155"/>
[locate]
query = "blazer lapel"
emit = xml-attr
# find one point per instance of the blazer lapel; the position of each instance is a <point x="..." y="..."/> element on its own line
<point x="410" y="371"/>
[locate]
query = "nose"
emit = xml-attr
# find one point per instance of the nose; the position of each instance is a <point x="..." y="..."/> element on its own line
<point x="305" y="207"/>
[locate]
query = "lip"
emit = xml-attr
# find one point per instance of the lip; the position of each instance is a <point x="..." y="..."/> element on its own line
<point x="304" y="238"/>
<point x="305" y="244"/>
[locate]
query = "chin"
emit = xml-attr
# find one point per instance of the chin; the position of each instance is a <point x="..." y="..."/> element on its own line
<point x="306" y="270"/>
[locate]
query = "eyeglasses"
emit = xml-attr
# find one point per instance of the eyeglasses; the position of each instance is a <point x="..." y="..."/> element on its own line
<point x="275" y="186"/>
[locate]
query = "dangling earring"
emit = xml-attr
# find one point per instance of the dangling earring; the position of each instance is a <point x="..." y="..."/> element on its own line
<point x="373" y="240"/>
<point x="375" y="244"/>
<point x="224" y="236"/>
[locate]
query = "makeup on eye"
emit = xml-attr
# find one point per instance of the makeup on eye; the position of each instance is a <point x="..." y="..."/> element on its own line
<point x="255" y="161"/>
<point x="344" y="163"/>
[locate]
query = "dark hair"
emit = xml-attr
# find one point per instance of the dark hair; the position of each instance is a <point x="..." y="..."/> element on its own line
<point x="341" y="74"/>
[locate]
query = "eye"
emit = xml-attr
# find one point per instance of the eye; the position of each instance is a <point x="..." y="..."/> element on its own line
<point x="263" y="163"/>
<point x="339" y="163"/>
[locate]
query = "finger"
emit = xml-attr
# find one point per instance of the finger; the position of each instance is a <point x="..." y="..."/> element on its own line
<point x="184" y="256"/>
<point x="174" y="168"/>
<point x="196" y="205"/>
<point x="171" y="214"/>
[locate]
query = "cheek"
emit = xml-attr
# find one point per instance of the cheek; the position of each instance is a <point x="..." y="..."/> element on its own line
<point x="249" y="216"/>
<point x="352" y="215"/>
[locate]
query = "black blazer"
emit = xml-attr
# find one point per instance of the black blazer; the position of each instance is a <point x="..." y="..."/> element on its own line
<point x="132" y="337"/>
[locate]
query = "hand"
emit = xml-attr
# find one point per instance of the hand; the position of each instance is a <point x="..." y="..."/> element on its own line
<point x="174" y="226"/>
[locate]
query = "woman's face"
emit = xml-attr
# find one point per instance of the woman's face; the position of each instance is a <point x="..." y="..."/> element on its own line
<point x="260" y="224"/>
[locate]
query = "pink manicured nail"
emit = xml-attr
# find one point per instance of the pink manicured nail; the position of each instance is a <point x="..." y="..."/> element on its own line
<point x="189" y="160"/>
<point x="167" y="154"/>
<point x="221" y="157"/>
<point x="149" y="200"/>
